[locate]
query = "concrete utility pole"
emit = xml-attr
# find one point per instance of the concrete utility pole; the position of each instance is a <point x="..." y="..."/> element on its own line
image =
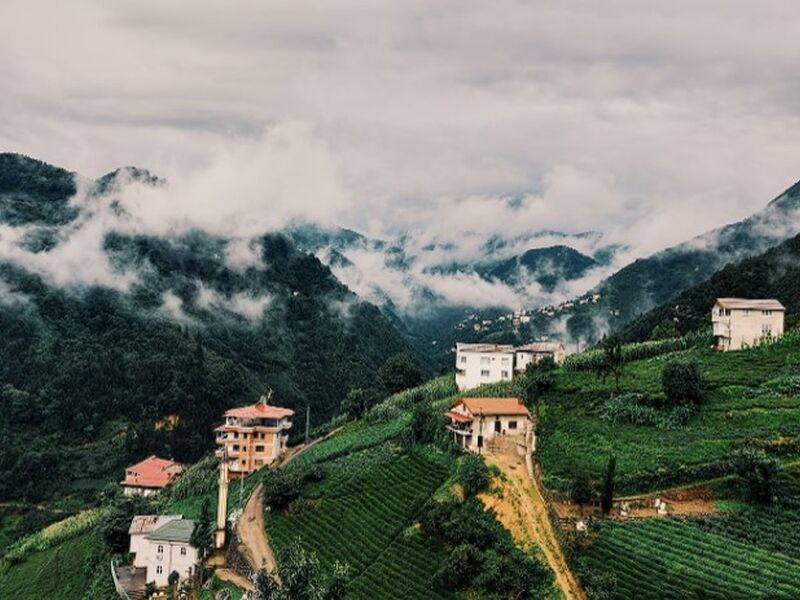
<point x="222" y="502"/>
<point x="308" y="420"/>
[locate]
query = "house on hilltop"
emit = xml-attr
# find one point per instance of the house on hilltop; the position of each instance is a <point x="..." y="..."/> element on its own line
<point x="160" y="545"/>
<point x="476" y="422"/>
<point x="478" y="364"/>
<point x="739" y="323"/>
<point x="149" y="476"/>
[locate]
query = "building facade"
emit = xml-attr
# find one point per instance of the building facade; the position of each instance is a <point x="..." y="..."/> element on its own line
<point x="160" y="545"/>
<point x="149" y="476"/>
<point x="478" y="364"/>
<point x="476" y="422"/>
<point x="740" y="323"/>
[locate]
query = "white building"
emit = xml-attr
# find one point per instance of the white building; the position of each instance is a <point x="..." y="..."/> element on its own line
<point x="536" y="351"/>
<point x="161" y="545"/>
<point x="475" y="422"/>
<point x="478" y="364"/>
<point x="739" y="323"/>
<point x="147" y="477"/>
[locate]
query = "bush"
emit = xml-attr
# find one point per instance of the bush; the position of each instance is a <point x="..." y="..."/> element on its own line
<point x="758" y="474"/>
<point x="473" y="474"/>
<point x="399" y="372"/>
<point x="633" y="409"/>
<point x="582" y="491"/>
<point x="280" y="488"/>
<point x="683" y="383"/>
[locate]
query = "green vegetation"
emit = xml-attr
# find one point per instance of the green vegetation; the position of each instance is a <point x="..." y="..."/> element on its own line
<point x="752" y="400"/>
<point x="678" y="559"/>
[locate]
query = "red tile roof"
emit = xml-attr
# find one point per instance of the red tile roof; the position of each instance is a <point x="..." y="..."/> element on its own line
<point x="458" y="417"/>
<point x="494" y="406"/>
<point x="259" y="410"/>
<point x="152" y="472"/>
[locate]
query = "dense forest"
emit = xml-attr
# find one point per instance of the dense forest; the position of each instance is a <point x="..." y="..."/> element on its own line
<point x="87" y="373"/>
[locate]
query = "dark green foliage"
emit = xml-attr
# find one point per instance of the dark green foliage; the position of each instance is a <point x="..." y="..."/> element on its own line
<point x="302" y="578"/>
<point x="173" y="578"/>
<point x="203" y="535"/>
<point x="473" y="474"/>
<point x="400" y="372"/>
<point x="280" y="488"/>
<point x="460" y="567"/>
<point x="427" y="423"/>
<point x="358" y="401"/>
<point x="33" y="192"/>
<point x="582" y="491"/>
<point x="117" y="520"/>
<point x="548" y="267"/>
<point x="611" y="362"/>
<point x="664" y="331"/>
<point x="607" y="491"/>
<point x="683" y="383"/>
<point x="758" y="474"/>
<point x="637" y="409"/>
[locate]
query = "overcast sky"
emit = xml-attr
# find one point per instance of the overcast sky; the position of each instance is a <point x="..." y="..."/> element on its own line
<point x="650" y="121"/>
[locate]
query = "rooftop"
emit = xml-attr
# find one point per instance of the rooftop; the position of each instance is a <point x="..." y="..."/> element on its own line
<point x="152" y="472"/>
<point x="147" y="523"/>
<point x="458" y="417"/>
<point x="179" y="530"/>
<point x="462" y="347"/>
<point x="259" y="410"/>
<point x="747" y="303"/>
<point x="494" y="406"/>
<point x="541" y="347"/>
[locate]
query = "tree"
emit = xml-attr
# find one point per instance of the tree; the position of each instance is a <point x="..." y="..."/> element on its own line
<point x="399" y="372"/>
<point x="302" y="578"/>
<point x="538" y="380"/>
<point x="607" y="493"/>
<point x="173" y="578"/>
<point x="612" y="361"/>
<point x="582" y="491"/>
<point x="202" y="536"/>
<point x="114" y="527"/>
<point x="149" y="589"/>
<point x="683" y="383"/>
<point x="759" y="474"/>
<point x="358" y="401"/>
<point x="665" y="330"/>
<point x="473" y="474"/>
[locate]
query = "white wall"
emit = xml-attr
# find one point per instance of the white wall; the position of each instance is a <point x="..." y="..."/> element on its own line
<point x="745" y="327"/>
<point x="170" y="559"/>
<point x="470" y="368"/>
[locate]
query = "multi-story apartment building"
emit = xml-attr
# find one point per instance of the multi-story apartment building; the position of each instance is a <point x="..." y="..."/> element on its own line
<point x="477" y="364"/>
<point x="739" y="323"/>
<point x="253" y="436"/>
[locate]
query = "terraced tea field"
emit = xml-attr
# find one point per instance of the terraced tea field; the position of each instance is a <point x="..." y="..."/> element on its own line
<point x="671" y="559"/>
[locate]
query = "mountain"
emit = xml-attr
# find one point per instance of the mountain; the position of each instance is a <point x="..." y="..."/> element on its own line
<point x="88" y="369"/>
<point x="648" y="282"/>
<point x="773" y="274"/>
<point x="547" y="266"/>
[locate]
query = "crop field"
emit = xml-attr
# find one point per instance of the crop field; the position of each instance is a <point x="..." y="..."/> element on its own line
<point x="750" y="399"/>
<point x="666" y="559"/>
<point x="362" y="520"/>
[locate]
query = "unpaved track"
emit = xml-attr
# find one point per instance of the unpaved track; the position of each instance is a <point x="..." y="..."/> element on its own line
<point x="523" y="497"/>
<point x="253" y="534"/>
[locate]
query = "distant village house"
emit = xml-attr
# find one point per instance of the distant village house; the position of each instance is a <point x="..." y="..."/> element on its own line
<point x="476" y="422"/>
<point x="739" y="323"/>
<point x="149" y="476"/>
<point x="478" y="364"/>
<point x="160" y="545"/>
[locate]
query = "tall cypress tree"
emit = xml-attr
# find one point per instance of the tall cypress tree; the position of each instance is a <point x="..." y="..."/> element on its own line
<point x="607" y="495"/>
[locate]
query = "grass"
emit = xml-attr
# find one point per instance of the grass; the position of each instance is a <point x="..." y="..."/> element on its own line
<point x="57" y="573"/>
<point x="676" y="559"/>
<point x="742" y="405"/>
<point x="363" y="519"/>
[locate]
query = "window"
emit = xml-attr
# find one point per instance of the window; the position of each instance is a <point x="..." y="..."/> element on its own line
<point x="766" y="313"/>
<point x="161" y="549"/>
<point x="512" y="424"/>
<point x="505" y="361"/>
<point x="159" y="569"/>
<point x="485" y="360"/>
<point x="259" y="448"/>
<point x="746" y="312"/>
<point x="484" y="372"/>
<point x="463" y="359"/>
<point x="183" y="551"/>
<point x="505" y="375"/>
<point x="236" y="447"/>
<point x="766" y="329"/>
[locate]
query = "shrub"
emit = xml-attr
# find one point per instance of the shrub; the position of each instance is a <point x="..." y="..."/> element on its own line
<point x="280" y="488"/>
<point x="683" y="383"/>
<point x="632" y="409"/>
<point x="758" y="474"/>
<point x="399" y="372"/>
<point x="582" y="491"/>
<point x="473" y="474"/>
<point x="607" y="493"/>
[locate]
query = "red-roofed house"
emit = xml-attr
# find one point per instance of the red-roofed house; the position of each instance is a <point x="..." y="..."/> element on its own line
<point x="253" y="436"/>
<point x="476" y="421"/>
<point x="149" y="476"/>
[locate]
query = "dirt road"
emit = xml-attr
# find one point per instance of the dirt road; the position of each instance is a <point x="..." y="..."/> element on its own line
<point x="253" y="534"/>
<point x="523" y="511"/>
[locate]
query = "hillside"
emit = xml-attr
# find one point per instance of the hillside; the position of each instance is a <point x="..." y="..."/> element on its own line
<point x="87" y="370"/>
<point x="548" y="267"/>
<point x="773" y="274"/>
<point x="649" y="282"/>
